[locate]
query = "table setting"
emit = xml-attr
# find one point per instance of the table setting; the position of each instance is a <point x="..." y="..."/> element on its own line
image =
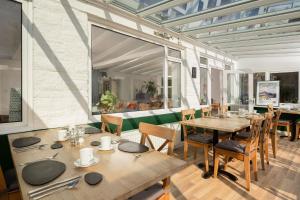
<point x="82" y="162"/>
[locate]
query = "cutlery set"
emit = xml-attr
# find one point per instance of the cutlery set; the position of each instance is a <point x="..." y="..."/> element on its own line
<point x="24" y="149"/>
<point x="47" y="190"/>
<point x="47" y="158"/>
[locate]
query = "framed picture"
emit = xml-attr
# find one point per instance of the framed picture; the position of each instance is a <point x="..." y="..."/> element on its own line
<point x="267" y="92"/>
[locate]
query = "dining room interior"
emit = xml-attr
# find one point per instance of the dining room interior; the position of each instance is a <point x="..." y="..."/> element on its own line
<point x="149" y="99"/>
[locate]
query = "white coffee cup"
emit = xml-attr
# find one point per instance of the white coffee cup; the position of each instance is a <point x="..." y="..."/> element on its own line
<point x="61" y="135"/>
<point x="86" y="156"/>
<point x="105" y="142"/>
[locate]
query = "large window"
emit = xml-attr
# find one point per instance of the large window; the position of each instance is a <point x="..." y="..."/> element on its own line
<point x="256" y="78"/>
<point x="243" y="89"/>
<point x="230" y="88"/>
<point x="289" y="83"/>
<point x="10" y="61"/>
<point x="128" y="74"/>
<point x="203" y="86"/>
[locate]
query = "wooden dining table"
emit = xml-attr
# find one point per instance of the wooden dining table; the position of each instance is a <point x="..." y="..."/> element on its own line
<point x="124" y="174"/>
<point x="227" y="124"/>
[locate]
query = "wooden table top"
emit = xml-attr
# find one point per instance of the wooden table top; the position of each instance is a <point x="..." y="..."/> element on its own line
<point x="232" y="124"/>
<point x="124" y="174"/>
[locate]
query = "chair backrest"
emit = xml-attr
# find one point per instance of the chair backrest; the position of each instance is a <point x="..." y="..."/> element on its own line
<point x="206" y="112"/>
<point x="270" y="107"/>
<point x="252" y="143"/>
<point x="267" y="124"/>
<point x="223" y="109"/>
<point x="188" y="114"/>
<point x="276" y="120"/>
<point x="108" y="120"/>
<point x="158" y="131"/>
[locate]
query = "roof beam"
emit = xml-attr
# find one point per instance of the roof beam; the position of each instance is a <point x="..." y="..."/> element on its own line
<point x="290" y="27"/>
<point x="263" y="47"/>
<point x="276" y="37"/>
<point x="160" y="6"/>
<point x="259" y="19"/>
<point x="273" y="51"/>
<point x="218" y="11"/>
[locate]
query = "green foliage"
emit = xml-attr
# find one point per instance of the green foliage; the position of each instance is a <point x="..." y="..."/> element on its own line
<point x="108" y="101"/>
<point x="151" y="88"/>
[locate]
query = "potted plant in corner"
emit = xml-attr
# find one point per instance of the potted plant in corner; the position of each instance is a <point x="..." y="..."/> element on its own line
<point x="151" y="88"/>
<point x="107" y="102"/>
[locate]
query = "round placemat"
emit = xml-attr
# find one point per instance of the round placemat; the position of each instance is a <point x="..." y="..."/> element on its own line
<point x="56" y="146"/>
<point x="93" y="178"/>
<point x="132" y="147"/>
<point x="42" y="172"/>
<point x="25" y="141"/>
<point x="95" y="143"/>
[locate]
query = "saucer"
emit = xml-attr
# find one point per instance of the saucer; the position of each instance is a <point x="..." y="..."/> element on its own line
<point x="101" y="149"/>
<point x="65" y="139"/>
<point x="93" y="162"/>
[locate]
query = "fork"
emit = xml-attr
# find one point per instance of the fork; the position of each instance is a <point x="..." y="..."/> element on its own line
<point x="24" y="149"/>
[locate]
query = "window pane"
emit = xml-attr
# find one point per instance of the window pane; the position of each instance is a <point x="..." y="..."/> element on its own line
<point x="257" y="77"/>
<point x="127" y="73"/>
<point x="203" y="86"/>
<point x="10" y="62"/>
<point x="174" y="90"/>
<point x="243" y="90"/>
<point x="174" y="53"/>
<point x="230" y="88"/>
<point x="288" y="86"/>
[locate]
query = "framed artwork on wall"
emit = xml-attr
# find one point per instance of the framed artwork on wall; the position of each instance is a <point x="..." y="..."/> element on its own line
<point x="267" y="93"/>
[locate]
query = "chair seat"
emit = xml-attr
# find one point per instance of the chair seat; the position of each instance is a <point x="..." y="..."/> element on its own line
<point x="205" y="139"/>
<point x="11" y="180"/>
<point x="243" y="135"/>
<point x="284" y="123"/>
<point x="231" y="145"/>
<point x="150" y="193"/>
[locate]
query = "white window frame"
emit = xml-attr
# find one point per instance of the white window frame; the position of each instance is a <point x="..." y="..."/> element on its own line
<point x="134" y="114"/>
<point x="27" y="114"/>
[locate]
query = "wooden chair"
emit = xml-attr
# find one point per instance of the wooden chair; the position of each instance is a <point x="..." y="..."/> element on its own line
<point x="244" y="152"/>
<point x="274" y="135"/>
<point x="270" y="108"/>
<point x="195" y="139"/>
<point x="223" y="109"/>
<point x="158" y="190"/>
<point x="9" y="187"/>
<point x="206" y="112"/>
<point x="108" y="120"/>
<point x="264" y="139"/>
<point x="287" y="124"/>
<point x="297" y="130"/>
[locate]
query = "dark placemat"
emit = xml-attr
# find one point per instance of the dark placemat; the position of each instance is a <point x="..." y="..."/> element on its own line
<point x="56" y="145"/>
<point x="93" y="178"/>
<point x="25" y="141"/>
<point x="132" y="147"/>
<point x="42" y="172"/>
<point x="92" y="130"/>
<point x="95" y="143"/>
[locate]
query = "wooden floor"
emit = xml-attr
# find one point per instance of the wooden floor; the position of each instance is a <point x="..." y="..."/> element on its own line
<point x="280" y="180"/>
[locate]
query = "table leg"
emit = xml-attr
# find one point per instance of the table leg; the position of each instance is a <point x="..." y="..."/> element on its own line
<point x="293" y="129"/>
<point x="211" y="167"/>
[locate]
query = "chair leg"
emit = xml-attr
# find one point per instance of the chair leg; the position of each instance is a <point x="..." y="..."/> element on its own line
<point x="216" y="165"/>
<point x="247" y="172"/>
<point x="185" y="150"/>
<point x="254" y="164"/>
<point x="267" y="149"/>
<point x="274" y="144"/>
<point x="262" y="156"/>
<point x="288" y="131"/>
<point x="206" y="158"/>
<point x="297" y="131"/>
<point x="195" y="153"/>
<point x="225" y="162"/>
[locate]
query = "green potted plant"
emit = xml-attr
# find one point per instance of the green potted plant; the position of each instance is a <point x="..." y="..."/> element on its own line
<point x="107" y="102"/>
<point x="151" y="88"/>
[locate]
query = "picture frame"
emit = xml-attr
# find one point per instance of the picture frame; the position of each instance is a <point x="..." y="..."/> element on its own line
<point x="268" y="93"/>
